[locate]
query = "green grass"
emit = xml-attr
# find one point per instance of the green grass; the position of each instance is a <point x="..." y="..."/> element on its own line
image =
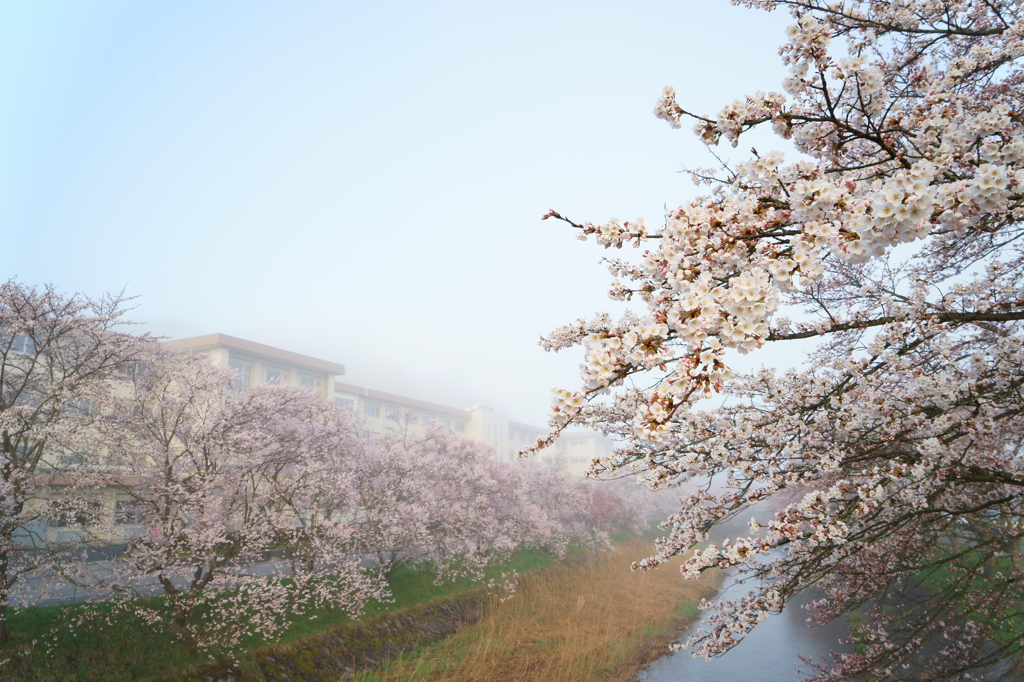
<point x="939" y="577"/>
<point x="688" y="609"/>
<point x="410" y="587"/>
<point x="1010" y="623"/>
<point x="130" y="649"/>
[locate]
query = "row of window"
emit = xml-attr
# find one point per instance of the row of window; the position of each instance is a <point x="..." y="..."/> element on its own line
<point x="521" y="436"/>
<point x="83" y="407"/>
<point x="274" y="375"/>
<point x="391" y="413"/>
<point x="497" y="432"/>
<point x="125" y="514"/>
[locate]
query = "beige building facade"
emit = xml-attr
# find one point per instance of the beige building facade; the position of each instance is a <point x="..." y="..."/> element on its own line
<point x="257" y="363"/>
<point x="260" y="364"/>
<point x="575" y="450"/>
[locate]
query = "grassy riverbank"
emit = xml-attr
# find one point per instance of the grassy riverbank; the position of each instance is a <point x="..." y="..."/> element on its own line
<point x="586" y="621"/>
<point x="963" y="591"/>
<point x="127" y="649"/>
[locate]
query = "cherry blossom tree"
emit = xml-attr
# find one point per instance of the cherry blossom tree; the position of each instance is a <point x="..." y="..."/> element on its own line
<point x="310" y="486"/>
<point x="210" y="480"/>
<point x="441" y="501"/>
<point x="215" y="480"/>
<point x="426" y="497"/>
<point x="625" y="505"/>
<point x="893" y="236"/>
<point x="567" y="510"/>
<point x="58" y="354"/>
<point x="538" y="506"/>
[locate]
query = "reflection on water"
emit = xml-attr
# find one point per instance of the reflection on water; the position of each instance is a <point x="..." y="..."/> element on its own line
<point x="769" y="654"/>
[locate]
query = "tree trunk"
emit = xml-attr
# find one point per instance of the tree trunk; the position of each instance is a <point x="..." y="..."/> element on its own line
<point x="184" y="609"/>
<point x="989" y="568"/>
<point x="4" y="633"/>
<point x="4" y="595"/>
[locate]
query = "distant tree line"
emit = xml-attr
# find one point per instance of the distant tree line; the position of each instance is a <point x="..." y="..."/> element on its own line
<point x="210" y="480"/>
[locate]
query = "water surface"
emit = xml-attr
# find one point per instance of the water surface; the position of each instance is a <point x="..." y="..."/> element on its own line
<point x="769" y="654"/>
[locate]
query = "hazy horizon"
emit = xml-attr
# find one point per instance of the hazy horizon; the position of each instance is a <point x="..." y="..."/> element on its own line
<point x="361" y="183"/>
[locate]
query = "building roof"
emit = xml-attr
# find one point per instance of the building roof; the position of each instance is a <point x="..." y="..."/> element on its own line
<point x="349" y="388"/>
<point x="528" y="427"/>
<point x="401" y="400"/>
<point x="201" y="343"/>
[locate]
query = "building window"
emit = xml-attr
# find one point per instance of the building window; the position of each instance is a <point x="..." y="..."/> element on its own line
<point x="391" y="413"/>
<point x="445" y="422"/>
<point x="460" y="426"/>
<point x="307" y="382"/>
<point x="411" y="417"/>
<point x="23" y="344"/>
<point x="65" y="515"/>
<point x="275" y="376"/>
<point x="428" y="419"/>
<point x="119" y="459"/>
<point x="579" y="460"/>
<point x="244" y="370"/>
<point x="345" y="402"/>
<point x="83" y="407"/>
<point x="371" y="410"/>
<point x="490" y="430"/>
<point x="125" y="513"/>
<point x="577" y="442"/>
<point x="71" y="461"/>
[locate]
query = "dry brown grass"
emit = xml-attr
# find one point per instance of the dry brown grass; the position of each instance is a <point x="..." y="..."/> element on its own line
<point x="586" y="621"/>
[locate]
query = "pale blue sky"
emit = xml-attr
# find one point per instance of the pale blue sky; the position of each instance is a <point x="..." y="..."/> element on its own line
<point x="360" y="182"/>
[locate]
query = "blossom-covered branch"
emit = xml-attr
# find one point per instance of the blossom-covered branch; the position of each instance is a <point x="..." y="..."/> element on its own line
<point x="894" y="454"/>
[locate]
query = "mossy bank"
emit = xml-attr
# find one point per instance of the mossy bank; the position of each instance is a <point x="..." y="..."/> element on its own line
<point x="337" y="653"/>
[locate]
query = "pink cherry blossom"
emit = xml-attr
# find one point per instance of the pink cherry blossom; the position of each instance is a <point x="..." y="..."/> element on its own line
<point x="58" y="355"/>
<point x="892" y="457"/>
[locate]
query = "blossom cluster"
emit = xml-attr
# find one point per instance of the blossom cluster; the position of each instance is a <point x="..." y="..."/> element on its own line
<point x="893" y="238"/>
<point x="215" y="478"/>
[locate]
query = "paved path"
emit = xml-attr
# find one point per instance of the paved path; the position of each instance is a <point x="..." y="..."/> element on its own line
<point x="33" y="591"/>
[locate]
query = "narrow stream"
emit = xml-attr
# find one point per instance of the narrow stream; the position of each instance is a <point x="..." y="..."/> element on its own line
<point x="769" y="654"/>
